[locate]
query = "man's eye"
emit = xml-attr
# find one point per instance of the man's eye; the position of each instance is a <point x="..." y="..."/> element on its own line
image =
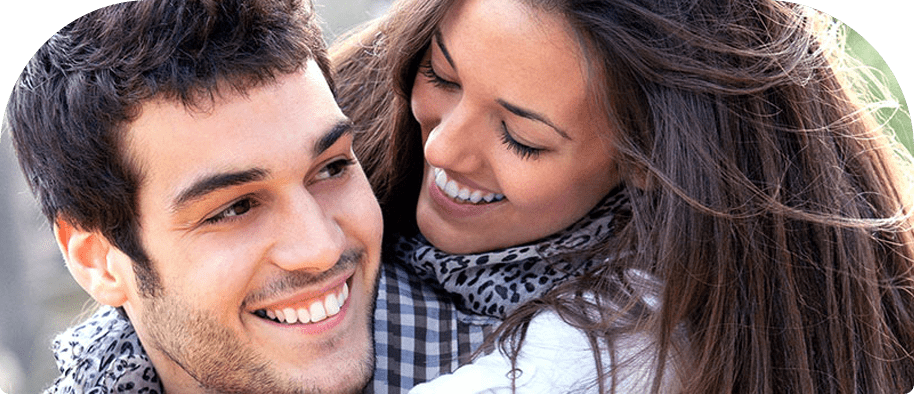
<point x="334" y="169"/>
<point x="239" y="208"/>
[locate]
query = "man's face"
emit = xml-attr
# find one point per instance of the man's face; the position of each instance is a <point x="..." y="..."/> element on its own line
<point x="251" y="212"/>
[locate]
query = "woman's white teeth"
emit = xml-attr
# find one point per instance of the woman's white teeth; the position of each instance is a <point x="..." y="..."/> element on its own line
<point x="319" y="310"/>
<point x="455" y="191"/>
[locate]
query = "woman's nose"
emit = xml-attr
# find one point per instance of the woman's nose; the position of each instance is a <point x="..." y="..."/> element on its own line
<point x="456" y="142"/>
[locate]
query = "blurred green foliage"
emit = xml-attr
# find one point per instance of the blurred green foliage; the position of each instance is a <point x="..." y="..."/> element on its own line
<point x="897" y="119"/>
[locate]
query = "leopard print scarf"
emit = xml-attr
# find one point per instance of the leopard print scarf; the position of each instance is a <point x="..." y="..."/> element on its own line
<point x="493" y="283"/>
<point x="103" y="355"/>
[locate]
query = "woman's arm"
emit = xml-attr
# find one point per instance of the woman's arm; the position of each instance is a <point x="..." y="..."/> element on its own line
<point x="554" y="358"/>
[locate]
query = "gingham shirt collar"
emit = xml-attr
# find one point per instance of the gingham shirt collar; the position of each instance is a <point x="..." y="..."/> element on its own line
<point x="419" y="333"/>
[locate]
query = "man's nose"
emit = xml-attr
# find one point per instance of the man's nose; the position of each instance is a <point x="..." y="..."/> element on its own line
<point x="307" y="238"/>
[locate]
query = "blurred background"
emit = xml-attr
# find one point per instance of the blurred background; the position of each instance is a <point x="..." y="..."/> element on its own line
<point x="41" y="299"/>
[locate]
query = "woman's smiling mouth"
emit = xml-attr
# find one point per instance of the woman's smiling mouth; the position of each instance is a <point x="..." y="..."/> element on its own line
<point x="463" y="194"/>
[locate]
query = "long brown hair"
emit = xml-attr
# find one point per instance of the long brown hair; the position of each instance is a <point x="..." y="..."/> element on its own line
<point x="765" y="198"/>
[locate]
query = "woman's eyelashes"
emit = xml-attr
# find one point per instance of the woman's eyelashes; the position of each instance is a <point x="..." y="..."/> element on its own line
<point x="426" y="69"/>
<point x="522" y="150"/>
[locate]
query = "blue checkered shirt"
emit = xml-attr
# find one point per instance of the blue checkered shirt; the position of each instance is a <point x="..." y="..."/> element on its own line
<point x="419" y="333"/>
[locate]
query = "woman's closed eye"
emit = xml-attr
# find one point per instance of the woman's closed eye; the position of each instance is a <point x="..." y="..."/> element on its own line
<point x="428" y="71"/>
<point x="522" y="150"/>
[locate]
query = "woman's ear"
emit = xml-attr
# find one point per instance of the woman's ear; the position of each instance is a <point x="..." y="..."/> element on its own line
<point x="638" y="176"/>
<point x="93" y="261"/>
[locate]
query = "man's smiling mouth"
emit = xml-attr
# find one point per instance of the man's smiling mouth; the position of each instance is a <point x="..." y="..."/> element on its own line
<point x="312" y="310"/>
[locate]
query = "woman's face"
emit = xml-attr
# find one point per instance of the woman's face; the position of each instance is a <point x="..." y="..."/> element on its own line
<point x="515" y="148"/>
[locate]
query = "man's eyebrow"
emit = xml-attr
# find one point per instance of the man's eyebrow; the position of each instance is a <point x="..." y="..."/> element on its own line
<point x="439" y="39"/>
<point x="215" y="182"/>
<point x="532" y="116"/>
<point x="212" y="183"/>
<point x="341" y="128"/>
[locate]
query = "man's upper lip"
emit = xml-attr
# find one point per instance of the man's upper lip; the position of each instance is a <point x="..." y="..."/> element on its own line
<point x="303" y="294"/>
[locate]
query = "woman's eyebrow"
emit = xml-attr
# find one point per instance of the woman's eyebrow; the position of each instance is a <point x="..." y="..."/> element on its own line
<point x="532" y="116"/>
<point x="439" y="39"/>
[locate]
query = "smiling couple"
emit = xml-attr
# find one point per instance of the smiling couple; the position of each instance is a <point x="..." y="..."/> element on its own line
<point x="202" y="186"/>
<point x="577" y="196"/>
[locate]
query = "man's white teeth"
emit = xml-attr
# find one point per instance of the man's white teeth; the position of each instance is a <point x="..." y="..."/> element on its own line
<point x="332" y="304"/>
<point x="319" y="310"/>
<point x="291" y="315"/>
<point x="455" y="191"/>
<point x="303" y="315"/>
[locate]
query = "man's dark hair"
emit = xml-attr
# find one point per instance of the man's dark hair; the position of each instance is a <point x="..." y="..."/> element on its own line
<point x="70" y="109"/>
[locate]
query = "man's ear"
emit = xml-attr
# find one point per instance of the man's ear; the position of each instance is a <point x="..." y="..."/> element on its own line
<point x="94" y="262"/>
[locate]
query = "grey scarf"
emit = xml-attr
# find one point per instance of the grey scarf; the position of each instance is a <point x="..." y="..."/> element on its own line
<point x="493" y="283"/>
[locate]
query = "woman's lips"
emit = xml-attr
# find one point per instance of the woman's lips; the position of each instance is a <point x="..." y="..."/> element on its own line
<point x="462" y="193"/>
<point x="457" y="207"/>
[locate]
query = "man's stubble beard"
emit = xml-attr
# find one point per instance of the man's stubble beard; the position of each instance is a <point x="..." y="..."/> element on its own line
<point x="221" y="362"/>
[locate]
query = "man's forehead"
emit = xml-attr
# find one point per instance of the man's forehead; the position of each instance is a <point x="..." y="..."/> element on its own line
<point x="300" y="103"/>
<point x="296" y="118"/>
